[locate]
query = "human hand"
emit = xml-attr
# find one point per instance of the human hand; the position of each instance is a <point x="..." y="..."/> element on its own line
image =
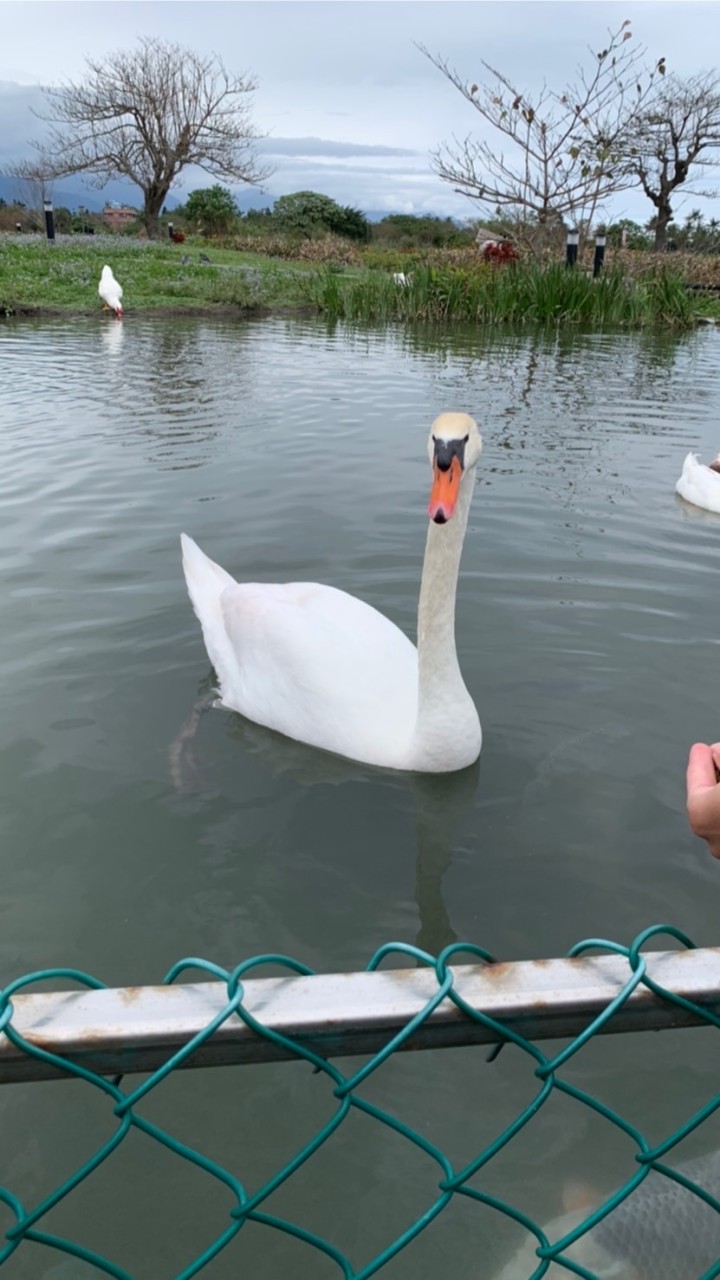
<point x="703" y="793"/>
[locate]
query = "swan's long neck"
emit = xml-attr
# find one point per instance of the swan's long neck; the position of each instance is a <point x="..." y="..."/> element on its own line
<point x="445" y="708"/>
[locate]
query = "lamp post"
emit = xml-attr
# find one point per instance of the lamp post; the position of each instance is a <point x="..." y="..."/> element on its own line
<point x="599" y="255"/>
<point x="49" y="220"/>
<point x="571" y="248"/>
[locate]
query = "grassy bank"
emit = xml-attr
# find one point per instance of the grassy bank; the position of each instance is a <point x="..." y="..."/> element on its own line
<point x="64" y="277"/>
<point x="164" y="277"/>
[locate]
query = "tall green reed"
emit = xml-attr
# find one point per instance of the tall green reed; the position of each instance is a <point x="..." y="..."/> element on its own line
<point x="525" y="295"/>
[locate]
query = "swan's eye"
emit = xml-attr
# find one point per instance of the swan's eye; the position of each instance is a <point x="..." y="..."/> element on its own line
<point x="466" y="438"/>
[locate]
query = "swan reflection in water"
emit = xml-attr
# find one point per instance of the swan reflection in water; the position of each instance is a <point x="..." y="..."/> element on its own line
<point x="113" y="335"/>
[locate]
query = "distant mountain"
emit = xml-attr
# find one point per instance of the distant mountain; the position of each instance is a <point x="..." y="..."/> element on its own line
<point x="70" y="193"/>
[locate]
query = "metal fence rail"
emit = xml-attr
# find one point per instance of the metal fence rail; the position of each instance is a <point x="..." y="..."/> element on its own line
<point x="133" y="1029"/>
<point x="601" y="987"/>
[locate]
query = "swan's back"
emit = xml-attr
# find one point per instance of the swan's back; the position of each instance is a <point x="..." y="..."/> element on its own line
<point x="699" y="485"/>
<point x="307" y="660"/>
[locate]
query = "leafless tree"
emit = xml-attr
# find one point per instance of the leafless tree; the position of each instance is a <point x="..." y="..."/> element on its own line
<point x="672" y="137"/>
<point x="33" y="184"/>
<point x="148" y="113"/>
<point x="562" y="151"/>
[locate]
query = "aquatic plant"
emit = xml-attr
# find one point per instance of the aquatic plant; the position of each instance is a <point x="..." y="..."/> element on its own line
<point x="526" y="295"/>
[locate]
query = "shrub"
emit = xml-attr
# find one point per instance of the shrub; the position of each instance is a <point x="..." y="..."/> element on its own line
<point x="390" y="259"/>
<point x="212" y="209"/>
<point x="329" y="249"/>
<point x="419" y="231"/>
<point x="310" y="214"/>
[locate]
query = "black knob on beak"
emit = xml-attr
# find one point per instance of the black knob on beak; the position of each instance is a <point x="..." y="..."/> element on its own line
<point x="446" y="450"/>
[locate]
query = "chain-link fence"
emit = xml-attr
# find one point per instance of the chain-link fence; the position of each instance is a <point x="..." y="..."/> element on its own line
<point x="663" y="1220"/>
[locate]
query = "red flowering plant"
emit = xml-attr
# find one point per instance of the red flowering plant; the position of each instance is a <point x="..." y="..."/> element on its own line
<point x="499" y="252"/>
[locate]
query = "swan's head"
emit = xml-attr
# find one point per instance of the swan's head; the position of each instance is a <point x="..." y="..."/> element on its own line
<point x="454" y="447"/>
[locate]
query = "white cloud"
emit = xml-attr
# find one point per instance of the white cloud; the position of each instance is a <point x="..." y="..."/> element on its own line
<point x="304" y="147"/>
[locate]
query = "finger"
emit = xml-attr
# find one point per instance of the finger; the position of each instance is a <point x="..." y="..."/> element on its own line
<point x="701" y="769"/>
<point x="715" y="748"/>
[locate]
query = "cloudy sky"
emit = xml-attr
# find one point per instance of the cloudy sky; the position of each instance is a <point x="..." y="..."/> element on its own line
<point x="350" y="105"/>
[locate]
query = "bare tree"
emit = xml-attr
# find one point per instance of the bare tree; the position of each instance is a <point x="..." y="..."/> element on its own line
<point x="671" y="138"/>
<point x="563" y="149"/>
<point x="147" y="114"/>
<point x="33" y="184"/>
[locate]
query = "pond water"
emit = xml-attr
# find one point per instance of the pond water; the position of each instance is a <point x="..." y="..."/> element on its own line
<point x="134" y="834"/>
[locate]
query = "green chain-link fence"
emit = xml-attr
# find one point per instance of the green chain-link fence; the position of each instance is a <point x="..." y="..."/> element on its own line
<point x="624" y="1242"/>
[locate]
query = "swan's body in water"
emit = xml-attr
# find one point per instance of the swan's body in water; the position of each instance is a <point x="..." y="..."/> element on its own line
<point x="700" y="484"/>
<point x="325" y="668"/>
<point x="110" y="291"/>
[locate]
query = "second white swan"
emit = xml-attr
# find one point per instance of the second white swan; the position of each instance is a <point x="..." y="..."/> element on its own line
<point x="700" y="483"/>
<point x="325" y="668"/>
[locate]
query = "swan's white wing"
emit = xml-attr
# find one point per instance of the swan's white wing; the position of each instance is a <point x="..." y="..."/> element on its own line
<point x="308" y="660"/>
<point x="321" y="666"/>
<point x="699" y="485"/>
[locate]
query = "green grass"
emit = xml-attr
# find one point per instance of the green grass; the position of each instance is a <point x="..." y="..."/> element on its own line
<point x="64" y="277"/>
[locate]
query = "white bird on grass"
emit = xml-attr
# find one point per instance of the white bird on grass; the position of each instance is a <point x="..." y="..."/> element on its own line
<point x="323" y="667"/>
<point x="110" y="292"/>
<point x="700" y="484"/>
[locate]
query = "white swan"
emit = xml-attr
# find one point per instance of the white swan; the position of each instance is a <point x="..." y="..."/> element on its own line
<point x="700" y="484"/>
<point x="325" y="668"/>
<point x="110" y="291"/>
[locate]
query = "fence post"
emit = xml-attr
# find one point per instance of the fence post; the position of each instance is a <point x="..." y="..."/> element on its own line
<point x="49" y="220"/>
<point x="571" y="248"/>
<point x="599" y="255"/>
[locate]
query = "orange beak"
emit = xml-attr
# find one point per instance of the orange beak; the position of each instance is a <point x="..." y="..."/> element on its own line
<point x="444" y="492"/>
